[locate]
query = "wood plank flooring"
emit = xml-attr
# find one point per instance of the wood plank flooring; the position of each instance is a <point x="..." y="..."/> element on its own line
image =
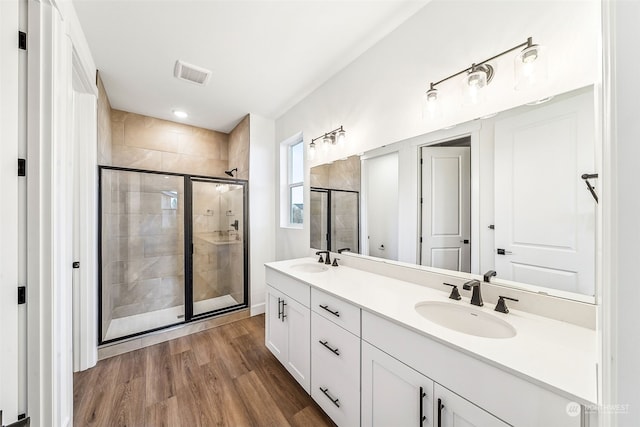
<point x="223" y="376"/>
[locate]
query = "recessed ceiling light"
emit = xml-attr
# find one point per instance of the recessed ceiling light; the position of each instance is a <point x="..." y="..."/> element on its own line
<point x="180" y="114"/>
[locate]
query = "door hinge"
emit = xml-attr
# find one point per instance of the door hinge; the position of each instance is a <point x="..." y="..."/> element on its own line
<point x="22" y="40"/>
<point x="421" y="200"/>
<point x="421" y="161"/>
<point x="22" y="167"/>
<point x="421" y="239"/>
<point x="22" y="294"/>
<point x="76" y="264"/>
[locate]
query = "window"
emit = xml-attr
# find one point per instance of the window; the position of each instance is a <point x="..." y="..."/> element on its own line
<point x="295" y="169"/>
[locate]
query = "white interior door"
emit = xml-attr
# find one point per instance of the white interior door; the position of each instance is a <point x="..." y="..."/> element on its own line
<point x="544" y="214"/>
<point x="381" y="206"/>
<point x="446" y="212"/>
<point x="9" y="355"/>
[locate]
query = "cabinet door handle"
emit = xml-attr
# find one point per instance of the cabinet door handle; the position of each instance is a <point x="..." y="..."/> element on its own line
<point x="283" y="315"/>
<point x="326" y="393"/>
<point x="334" y="350"/>
<point x="422" y="416"/>
<point x="440" y="408"/>
<point x="279" y="309"/>
<point x="326" y="307"/>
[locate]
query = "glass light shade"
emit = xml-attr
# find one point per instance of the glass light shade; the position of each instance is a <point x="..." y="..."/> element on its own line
<point x="530" y="67"/>
<point x="312" y="150"/>
<point x="340" y="137"/>
<point x="432" y="104"/>
<point x="473" y="86"/>
<point x="326" y="142"/>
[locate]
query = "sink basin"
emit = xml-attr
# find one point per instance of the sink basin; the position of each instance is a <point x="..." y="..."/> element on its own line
<point x="465" y="319"/>
<point x="309" y="267"/>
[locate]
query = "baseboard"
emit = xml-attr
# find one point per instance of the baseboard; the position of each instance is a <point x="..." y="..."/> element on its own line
<point x="257" y="309"/>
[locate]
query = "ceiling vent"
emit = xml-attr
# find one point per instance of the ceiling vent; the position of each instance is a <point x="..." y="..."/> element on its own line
<point x="191" y="73"/>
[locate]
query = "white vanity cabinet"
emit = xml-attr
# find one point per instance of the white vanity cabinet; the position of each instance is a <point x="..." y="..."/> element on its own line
<point x="335" y="358"/>
<point x="287" y="325"/>
<point x="483" y="395"/>
<point x="393" y="394"/>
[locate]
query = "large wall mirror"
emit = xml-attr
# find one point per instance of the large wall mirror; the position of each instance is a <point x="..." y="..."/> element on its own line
<point x="507" y="193"/>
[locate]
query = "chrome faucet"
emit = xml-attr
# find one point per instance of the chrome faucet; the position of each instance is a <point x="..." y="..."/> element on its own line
<point x="476" y="297"/>
<point x="327" y="260"/>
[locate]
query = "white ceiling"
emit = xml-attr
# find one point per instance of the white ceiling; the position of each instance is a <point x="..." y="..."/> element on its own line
<point x="265" y="55"/>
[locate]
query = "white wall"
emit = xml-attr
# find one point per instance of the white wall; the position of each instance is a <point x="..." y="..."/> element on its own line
<point x="262" y="207"/>
<point x="378" y="97"/>
<point x="380" y="217"/>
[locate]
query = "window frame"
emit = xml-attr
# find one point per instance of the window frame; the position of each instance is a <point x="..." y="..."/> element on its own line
<point x="291" y="185"/>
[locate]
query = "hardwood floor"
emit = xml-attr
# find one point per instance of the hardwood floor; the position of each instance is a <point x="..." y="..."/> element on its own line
<point x="219" y="377"/>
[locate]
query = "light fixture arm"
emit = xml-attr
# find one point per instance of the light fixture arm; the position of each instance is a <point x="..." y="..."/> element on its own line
<point x="528" y="43"/>
<point x="327" y="134"/>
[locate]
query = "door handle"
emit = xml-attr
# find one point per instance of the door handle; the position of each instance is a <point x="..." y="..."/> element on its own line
<point x="504" y="252"/>
<point x="440" y="408"/>
<point x="422" y="416"/>
<point x="283" y="315"/>
<point x="465" y="241"/>
<point x="279" y="309"/>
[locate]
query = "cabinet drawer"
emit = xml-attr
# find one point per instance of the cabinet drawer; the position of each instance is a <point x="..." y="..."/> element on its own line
<point x="335" y="371"/>
<point x="338" y="311"/>
<point x="289" y="286"/>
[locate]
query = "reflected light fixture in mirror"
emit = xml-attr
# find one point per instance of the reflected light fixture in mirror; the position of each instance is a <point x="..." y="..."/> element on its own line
<point x="333" y="137"/>
<point x="530" y="69"/>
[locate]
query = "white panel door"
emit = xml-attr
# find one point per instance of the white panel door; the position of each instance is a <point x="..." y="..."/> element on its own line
<point x="393" y="394"/>
<point x="544" y="214"/>
<point x="381" y="212"/>
<point x="9" y="355"/>
<point x="454" y="411"/>
<point x="446" y="211"/>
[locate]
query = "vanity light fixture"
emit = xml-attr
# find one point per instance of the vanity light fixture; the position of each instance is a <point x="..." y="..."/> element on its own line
<point x="336" y="136"/>
<point x="530" y="69"/>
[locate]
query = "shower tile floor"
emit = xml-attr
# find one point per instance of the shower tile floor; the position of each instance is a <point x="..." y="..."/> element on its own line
<point x="128" y="325"/>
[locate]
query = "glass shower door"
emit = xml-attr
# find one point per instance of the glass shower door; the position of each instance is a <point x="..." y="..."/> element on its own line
<point x="142" y="246"/>
<point x="218" y="246"/>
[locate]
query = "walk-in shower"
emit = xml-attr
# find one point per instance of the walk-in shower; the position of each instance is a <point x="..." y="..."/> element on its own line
<point x="173" y="248"/>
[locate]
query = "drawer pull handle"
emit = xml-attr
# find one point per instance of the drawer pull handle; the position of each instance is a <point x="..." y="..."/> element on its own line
<point x="326" y="307"/>
<point x="334" y="350"/>
<point x="326" y="393"/>
<point x="422" y="416"/>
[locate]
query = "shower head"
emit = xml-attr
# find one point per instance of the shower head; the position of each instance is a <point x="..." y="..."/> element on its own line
<point x="230" y="172"/>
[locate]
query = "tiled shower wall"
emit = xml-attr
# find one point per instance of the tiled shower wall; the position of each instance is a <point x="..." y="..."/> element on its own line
<point x="141" y="142"/>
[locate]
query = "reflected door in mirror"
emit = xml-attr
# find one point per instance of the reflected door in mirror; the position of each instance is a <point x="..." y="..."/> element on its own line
<point x="544" y="215"/>
<point x="446" y="211"/>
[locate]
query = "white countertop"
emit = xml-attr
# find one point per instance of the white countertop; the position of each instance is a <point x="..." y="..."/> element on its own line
<point x="556" y="355"/>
